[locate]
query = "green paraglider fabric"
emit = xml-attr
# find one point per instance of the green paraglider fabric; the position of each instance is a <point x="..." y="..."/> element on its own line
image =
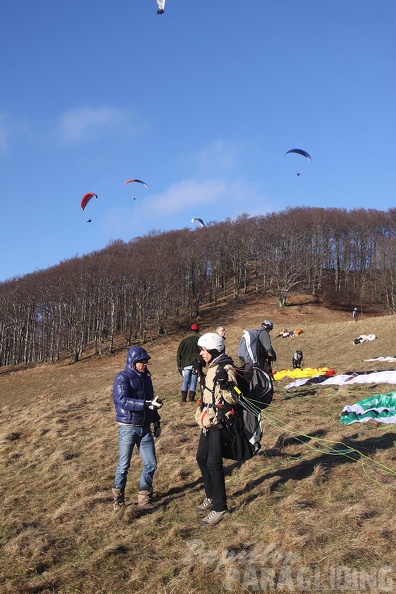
<point x="380" y="407"/>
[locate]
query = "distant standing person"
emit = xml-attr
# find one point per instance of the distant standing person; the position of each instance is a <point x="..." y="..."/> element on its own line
<point x="266" y="341"/>
<point x="355" y="314"/>
<point x="221" y="331"/>
<point x="255" y="347"/>
<point x="136" y="410"/>
<point x="187" y="354"/>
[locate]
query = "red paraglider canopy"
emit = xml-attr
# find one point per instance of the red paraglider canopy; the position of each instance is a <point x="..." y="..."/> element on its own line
<point x="85" y="199"/>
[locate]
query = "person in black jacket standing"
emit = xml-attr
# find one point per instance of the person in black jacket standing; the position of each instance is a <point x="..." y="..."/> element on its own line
<point x="187" y="355"/>
<point x="136" y="410"/>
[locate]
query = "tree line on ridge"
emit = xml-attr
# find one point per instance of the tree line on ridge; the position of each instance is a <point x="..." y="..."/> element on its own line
<point x="146" y="286"/>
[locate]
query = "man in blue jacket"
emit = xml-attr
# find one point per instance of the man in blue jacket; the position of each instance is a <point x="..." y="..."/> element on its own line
<point x="136" y="410"/>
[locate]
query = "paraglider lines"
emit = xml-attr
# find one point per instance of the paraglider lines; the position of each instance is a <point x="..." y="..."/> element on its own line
<point x="329" y="446"/>
<point x="349" y="452"/>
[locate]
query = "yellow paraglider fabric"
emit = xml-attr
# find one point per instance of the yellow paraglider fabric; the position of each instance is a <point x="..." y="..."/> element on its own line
<point x="298" y="373"/>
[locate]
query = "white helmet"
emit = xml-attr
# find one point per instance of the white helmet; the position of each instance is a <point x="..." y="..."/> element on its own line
<point x="211" y="342"/>
<point x="268" y="325"/>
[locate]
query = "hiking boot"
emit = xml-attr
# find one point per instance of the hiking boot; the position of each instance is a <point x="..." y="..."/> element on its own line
<point x="119" y="498"/>
<point x="183" y="397"/>
<point x="144" y="500"/>
<point x="191" y="396"/>
<point x="214" y="518"/>
<point x="206" y="505"/>
<point x="160" y="11"/>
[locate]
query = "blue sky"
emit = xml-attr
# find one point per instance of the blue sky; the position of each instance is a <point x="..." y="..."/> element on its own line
<point x="201" y="102"/>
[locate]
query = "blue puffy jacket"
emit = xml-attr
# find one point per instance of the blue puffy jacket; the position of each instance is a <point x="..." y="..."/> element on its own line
<point x="130" y="391"/>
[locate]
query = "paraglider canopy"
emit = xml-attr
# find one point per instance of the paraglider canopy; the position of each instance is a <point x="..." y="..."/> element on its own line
<point x="300" y="152"/>
<point x="86" y="198"/>
<point x="380" y="408"/>
<point x="139" y="181"/>
<point x="200" y="221"/>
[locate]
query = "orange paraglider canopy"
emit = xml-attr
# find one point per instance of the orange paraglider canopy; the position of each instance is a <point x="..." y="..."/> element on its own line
<point x="139" y="181"/>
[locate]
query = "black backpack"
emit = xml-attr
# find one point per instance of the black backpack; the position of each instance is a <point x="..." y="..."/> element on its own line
<point x="255" y="385"/>
<point x="242" y="435"/>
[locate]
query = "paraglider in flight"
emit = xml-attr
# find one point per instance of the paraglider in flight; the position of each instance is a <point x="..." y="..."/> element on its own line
<point x="86" y="198"/>
<point x="200" y="221"/>
<point x="139" y="181"/>
<point x="89" y="221"/>
<point x="161" y="6"/>
<point x="300" y="152"/>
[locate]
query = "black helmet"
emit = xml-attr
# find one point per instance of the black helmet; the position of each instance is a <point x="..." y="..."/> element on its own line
<point x="268" y="325"/>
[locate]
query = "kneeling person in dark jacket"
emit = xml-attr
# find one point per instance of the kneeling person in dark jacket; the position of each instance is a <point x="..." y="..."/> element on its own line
<point x="136" y="410"/>
<point x="297" y="360"/>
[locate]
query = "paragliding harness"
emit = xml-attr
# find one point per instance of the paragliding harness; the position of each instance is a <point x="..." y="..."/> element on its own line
<point x="251" y="348"/>
<point x="242" y="429"/>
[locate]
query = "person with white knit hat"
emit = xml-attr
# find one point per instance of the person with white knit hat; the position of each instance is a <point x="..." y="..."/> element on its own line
<point x="217" y="403"/>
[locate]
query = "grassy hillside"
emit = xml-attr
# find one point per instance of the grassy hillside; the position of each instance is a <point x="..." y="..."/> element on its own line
<point x="313" y="511"/>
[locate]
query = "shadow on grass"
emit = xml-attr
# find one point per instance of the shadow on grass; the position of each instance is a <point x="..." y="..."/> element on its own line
<point x="301" y="394"/>
<point x="346" y="451"/>
<point x="180" y="491"/>
<point x="285" y="440"/>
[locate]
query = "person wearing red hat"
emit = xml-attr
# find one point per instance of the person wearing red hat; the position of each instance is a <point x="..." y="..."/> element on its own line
<point x="187" y="353"/>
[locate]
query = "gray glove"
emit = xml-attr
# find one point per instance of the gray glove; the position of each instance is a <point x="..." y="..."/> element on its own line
<point x="157" y="430"/>
<point x="153" y="404"/>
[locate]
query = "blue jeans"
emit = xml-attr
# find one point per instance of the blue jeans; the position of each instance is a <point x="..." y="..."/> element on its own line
<point x="130" y="436"/>
<point x="189" y="379"/>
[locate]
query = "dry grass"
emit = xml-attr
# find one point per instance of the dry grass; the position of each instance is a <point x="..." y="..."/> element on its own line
<point x="312" y="510"/>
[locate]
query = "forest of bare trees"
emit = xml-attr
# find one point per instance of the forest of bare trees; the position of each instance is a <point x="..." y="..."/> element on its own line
<point x="158" y="282"/>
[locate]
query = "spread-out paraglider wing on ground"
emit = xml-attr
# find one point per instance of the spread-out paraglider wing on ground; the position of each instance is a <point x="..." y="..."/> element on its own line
<point x="300" y="152"/>
<point x="139" y="181"/>
<point x="86" y="198"/>
<point x="380" y="408"/>
<point x="200" y="221"/>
